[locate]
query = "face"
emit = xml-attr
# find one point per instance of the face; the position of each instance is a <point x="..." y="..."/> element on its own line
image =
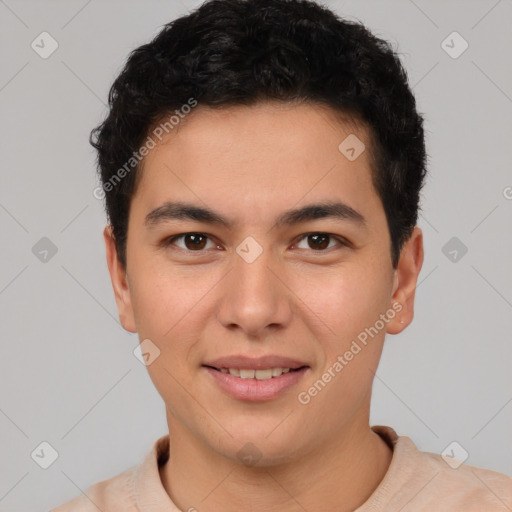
<point x="249" y="285"/>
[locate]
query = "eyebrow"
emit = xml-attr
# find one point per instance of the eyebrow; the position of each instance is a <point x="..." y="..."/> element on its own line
<point x="185" y="211"/>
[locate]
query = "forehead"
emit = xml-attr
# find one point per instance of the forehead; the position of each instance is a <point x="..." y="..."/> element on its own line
<point x="257" y="158"/>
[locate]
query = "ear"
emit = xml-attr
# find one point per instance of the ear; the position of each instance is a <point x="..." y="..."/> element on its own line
<point x="119" y="280"/>
<point x="404" y="282"/>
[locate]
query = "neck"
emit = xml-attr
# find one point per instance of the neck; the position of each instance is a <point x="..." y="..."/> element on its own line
<point x="339" y="474"/>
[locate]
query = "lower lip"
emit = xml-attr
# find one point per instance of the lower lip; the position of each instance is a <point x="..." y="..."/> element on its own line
<point x="253" y="389"/>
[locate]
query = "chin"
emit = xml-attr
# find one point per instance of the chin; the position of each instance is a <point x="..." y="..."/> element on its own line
<point x="261" y="447"/>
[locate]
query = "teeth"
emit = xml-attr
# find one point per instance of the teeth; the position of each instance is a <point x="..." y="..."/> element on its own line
<point x="265" y="374"/>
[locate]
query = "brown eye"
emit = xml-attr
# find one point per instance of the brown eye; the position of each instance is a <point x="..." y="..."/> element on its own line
<point x="193" y="242"/>
<point x="319" y="241"/>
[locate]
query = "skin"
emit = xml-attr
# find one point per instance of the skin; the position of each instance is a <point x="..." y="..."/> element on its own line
<point x="250" y="164"/>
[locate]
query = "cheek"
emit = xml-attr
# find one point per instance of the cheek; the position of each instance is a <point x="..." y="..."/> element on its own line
<point x="348" y="301"/>
<point x="162" y="297"/>
<point x="350" y="307"/>
<point x="171" y="308"/>
<point x="167" y="314"/>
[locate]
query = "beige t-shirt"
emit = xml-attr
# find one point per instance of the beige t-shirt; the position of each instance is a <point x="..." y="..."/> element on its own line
<point x="415" y="481"/>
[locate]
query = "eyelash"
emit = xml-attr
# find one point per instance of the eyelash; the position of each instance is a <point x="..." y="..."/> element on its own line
<point x="169" y="241"/>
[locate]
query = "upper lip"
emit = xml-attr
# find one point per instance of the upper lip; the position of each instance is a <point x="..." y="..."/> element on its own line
<point x="255" y="363"/>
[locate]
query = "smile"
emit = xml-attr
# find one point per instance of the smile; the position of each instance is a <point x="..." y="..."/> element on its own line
<point x="264" y="374"/>
<point x="255" y="385"/>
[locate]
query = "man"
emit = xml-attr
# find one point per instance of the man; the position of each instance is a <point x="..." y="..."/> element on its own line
<point x="261" y="164"/>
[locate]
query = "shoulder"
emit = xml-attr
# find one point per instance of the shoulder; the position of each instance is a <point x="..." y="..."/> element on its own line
<point x="423" y="481"/>
<point x="129" y="491"/>
<point x="114" y="494"/>
<point x="468" y="486"/>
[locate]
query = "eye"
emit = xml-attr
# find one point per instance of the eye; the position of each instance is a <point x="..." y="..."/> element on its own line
<point x="320" y="241"/>
<point x="197" y="242"/>
<point x="193" y="242"/>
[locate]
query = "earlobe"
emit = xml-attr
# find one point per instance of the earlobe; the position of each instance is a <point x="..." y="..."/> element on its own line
<point x="405" y="282"/>
<point x="118" y="277"/>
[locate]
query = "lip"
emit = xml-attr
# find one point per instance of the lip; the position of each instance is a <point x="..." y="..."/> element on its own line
<point x="255" y="363"/>
<point x="252" y="389"/>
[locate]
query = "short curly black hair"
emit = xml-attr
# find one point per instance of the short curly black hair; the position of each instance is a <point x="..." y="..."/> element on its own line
<point x="240" y="52"/>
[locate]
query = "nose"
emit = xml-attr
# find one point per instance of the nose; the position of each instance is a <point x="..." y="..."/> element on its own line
<point x="255" y="298"/>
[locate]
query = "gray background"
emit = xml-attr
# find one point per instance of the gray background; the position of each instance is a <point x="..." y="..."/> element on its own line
<point x="68" y="374"/>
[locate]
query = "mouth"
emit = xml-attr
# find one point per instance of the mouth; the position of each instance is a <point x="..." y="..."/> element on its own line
<point x="260" y="374"/>
<point x="255" y="385"/>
